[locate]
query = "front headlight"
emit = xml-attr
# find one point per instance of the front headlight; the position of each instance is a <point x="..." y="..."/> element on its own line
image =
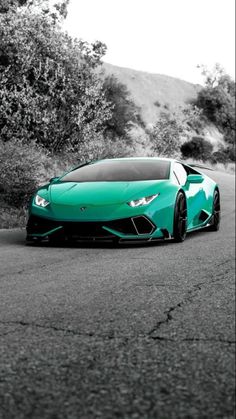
<point x="41" y="202"/>
<point x="142" y="201"/>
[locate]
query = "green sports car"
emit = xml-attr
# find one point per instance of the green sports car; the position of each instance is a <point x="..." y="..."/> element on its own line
<point x="125" y="199"/>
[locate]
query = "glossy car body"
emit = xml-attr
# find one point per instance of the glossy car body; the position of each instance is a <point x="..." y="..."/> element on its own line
<point x="120" y="209"/>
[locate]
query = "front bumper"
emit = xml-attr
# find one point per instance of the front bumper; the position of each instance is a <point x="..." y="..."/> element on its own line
<point x="134" y="228"/>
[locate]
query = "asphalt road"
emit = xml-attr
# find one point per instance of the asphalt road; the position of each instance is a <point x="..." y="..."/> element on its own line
<point x="141" y="331"/>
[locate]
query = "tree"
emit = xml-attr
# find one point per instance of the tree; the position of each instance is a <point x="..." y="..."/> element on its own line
<point x="124" y="111"/>
<point x="166" y="136"/>
<point x="6" y="5"/>
<point x="49" y="91"/>
<point x="55" y="11"/>
<point x="218" y="106"/>
<point x="217" y="101"/>
<point x="212" y="76"/>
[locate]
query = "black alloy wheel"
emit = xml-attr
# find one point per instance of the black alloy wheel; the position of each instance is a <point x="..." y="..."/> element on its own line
<point x="215" y="220"/>
<point x="180" y="218"/>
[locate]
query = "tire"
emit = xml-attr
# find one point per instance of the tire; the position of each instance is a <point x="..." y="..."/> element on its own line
<point x="33" y="241"/>
<point x="115" y="242"/>
<point x="55" y="238"/>
<point x="215" y="221"/>
<point x="180" y="218"/>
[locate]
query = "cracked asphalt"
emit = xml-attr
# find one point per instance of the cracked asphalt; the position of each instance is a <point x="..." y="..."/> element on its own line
<point x="141" y="331"/>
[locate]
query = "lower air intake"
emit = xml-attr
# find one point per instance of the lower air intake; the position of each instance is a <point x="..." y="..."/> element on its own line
<point x="143" y="225"/>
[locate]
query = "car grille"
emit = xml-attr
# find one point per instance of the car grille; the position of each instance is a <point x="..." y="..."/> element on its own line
<point x="131" y="226"/>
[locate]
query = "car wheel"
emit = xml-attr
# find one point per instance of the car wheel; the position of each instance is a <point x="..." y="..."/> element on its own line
<point x="215" y="221"/>
<point x="33" y="240"/>
<point x="180" y="218"/>
<point x="55" y="238"/>
<point x="115" y="241"/>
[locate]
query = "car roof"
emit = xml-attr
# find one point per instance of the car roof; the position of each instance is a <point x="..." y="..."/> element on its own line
<point x="168" y="159"/>
<point x="138" y="158"/>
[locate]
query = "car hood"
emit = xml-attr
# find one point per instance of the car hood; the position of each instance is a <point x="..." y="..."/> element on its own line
<point x="102" y="193"/>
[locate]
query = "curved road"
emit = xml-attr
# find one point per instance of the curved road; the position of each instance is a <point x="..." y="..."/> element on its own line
<point x="141" y="331"/>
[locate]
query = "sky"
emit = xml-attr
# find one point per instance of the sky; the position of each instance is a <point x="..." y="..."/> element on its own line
<point x="168" y="37"/>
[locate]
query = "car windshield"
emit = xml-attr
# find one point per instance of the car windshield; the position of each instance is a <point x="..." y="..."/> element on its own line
<point x="120" y="171"/>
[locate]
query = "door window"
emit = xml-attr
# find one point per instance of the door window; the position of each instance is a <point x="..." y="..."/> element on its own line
<point x="180" y="173"/>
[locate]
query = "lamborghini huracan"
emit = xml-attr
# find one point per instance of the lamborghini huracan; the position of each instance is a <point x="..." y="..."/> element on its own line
<point x="125" y="199"/>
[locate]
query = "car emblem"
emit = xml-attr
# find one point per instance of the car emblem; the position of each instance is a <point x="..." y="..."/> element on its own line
<point x="82" y="208"/>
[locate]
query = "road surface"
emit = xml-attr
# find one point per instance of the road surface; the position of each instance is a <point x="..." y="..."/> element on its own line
<point x="141" y="331"/>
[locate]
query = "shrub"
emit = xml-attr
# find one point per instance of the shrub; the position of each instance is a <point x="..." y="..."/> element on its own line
<point x="197" y="148"/>
<point x="165" y="136"/>
<point x="229" y="137"/>
<point x="11" y="217"/>
<point x="139" y="140"/>
<point x="223" y="155"/>
<point x="21" y="171"/>
<point x="194" y="119"/>
<point x="105" y="147"/>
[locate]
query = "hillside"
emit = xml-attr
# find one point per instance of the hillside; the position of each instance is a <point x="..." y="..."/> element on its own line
<point x="147" y="89"/>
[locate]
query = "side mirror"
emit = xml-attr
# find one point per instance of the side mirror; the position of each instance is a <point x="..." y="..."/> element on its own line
<point x="195" y="178"/>
<point x="53" y="179"/>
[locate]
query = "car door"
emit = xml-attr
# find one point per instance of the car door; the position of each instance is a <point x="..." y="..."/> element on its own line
<point x="195" y="194"/>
